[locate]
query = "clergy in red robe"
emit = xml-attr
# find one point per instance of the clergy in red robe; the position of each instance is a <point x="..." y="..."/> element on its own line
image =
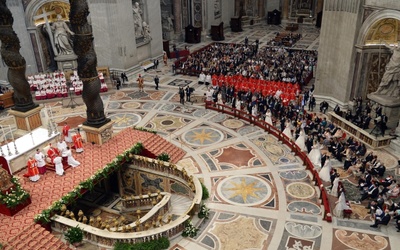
<point x="67" y="133"/>
<point x="33" y="171"/>
<point x="77" y="138"/>
<point x="52" y="153"/>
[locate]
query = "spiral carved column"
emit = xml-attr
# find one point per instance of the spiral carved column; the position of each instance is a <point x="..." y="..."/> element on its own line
<point x="16" y="64"/>
<point x="87" y="62"/>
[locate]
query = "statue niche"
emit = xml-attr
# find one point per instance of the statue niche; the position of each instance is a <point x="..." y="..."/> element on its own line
<point x="142" y="29"/>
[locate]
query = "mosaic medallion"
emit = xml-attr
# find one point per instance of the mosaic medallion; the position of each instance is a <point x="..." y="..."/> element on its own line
<point x="114" y="105"/>
<point x="123" y="120"/>
<point x="303" y="230"/>
<point x="131" y="105"/>
<point x="168" y="123"/>
<point x="168" y="107"/>
<point x="355" y="240"/>
<point x="303" y="207"/>
<point x="300" y="190"/>
<point x="244" y="190"/>
<point x="203" y="136"/>
<point x="293" y="175"/>
<point x="233" y="124"/>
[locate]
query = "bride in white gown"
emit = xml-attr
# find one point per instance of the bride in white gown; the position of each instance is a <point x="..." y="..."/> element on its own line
<point x="301" y="141"/>
<point x="341" y="205"/>
<point x="335" y="186"/>
<point x="288" y="130"/>
<point x="315" y="154"/>
<point x="268" y="117"/>
<point x="325" y="173"/>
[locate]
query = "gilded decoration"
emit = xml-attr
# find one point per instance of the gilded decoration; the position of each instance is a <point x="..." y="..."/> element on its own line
<point x="376" y="70"/>
<point x="383" y="31"/>
<point x="52" y="9"/>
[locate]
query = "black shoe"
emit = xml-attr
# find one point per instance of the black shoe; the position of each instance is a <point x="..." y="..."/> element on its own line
<point x="374" y="226"/>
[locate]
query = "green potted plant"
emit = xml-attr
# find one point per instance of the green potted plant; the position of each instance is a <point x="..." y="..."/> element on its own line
<point x="74" y="235"/>
<point x="164" y="157"/>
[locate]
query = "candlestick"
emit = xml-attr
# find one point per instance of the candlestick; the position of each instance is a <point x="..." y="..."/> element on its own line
<point x="8" y="149"/>
<point x="1" y="150"/>
<point x="15" y="147"/>
<point x="33" y="142"/>
<point x="12" y="135"/>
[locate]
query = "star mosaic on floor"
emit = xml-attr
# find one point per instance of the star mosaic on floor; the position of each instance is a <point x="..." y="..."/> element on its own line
<point x="123" y="120"/>
<point x="203" y="136"/>
<point x="245" y="190"/>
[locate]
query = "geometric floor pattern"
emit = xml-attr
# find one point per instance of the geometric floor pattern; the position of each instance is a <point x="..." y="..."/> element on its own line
<point x="261" y="197"/>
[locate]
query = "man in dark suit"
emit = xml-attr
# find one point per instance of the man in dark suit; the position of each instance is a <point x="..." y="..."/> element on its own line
<point x="384" y="221"/>
<point x="383" y="121"/>
<point x="371" y="192"/>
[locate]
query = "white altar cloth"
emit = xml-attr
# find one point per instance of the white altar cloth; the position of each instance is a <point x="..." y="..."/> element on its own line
<point x="26" y="146"/>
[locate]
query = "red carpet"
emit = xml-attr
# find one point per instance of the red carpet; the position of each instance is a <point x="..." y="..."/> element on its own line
<point x="51" y="187"/>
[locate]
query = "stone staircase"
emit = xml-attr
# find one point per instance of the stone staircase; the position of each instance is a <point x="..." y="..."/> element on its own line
<point x="179" y="204"/>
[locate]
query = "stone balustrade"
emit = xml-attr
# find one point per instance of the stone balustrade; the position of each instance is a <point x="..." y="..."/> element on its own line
<point x="149" y="227"/>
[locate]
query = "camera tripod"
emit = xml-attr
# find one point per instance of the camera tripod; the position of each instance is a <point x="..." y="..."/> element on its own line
<point x="72" y="103"/>
<point x="376" y="130"/>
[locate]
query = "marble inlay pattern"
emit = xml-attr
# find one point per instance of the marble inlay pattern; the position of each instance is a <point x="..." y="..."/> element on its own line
<point x="293" y="175"/>
<point x="248" y="234"/>
<point x="123" y="120"/>
<point x="233" y="124"/>
<point x="244" y="190"/>
<point x="345" y="239"/>
<point x="300" y="190"/>
<point x="167" y="123"/>
<point x="273" y="149"/>
<point x="203" y="136"/>
<point x="299" y="236"/>
<point x="131" y="105"/>
<point x="190" y="165"/>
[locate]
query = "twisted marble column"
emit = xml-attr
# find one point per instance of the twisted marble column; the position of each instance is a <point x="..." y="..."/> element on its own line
<point x="15" y="62"/>
<point x="87" y="62"/>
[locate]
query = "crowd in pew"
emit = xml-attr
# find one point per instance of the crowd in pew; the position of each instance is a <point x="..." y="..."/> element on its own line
<point x="365" y="116"/>
<point x="53" y="85"/>
<point x="269" y="63"/>
<point x="284" y="39"/>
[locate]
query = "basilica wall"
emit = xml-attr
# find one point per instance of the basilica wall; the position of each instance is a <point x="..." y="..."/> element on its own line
<point x="340" y="24"/>
<point x="389" y="4"/>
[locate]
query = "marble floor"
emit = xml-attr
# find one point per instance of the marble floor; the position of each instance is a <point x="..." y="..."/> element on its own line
<point x="261" y="196"/>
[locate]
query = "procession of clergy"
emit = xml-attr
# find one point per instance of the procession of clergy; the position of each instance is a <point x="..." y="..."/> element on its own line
<point x="59" y="156"/>
<point x="52" y="85"/>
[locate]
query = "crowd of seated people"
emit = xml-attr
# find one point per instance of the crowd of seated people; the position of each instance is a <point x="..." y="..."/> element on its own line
<point x="366" y="116"/>
<point x="53" y="85"/>
<point x="284" y="39"/>
<point x="270" y="63"/>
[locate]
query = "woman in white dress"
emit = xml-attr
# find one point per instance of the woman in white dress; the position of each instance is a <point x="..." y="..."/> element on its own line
<point x="288" y="130"/>
<point x="268" y="117"/>
<point x="71" y="160"/>
<point x="59" y="166"/>
<point x="301" y="141"/>
<point x="254" y="111"/>
<point x="315" y="154"/>
<point x="335" y="186"/>
<point x="325" y="173"/>
<point x="341" y="205"/>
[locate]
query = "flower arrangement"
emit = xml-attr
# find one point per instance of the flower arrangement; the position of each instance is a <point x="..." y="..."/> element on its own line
<point x="190" y="230"/>
<point x="89" y="184"/>
<point x="74" y="235"/>
<point x="163" y="157"/>
<point x="15" y="195"/>
<point x="204" y="212"/>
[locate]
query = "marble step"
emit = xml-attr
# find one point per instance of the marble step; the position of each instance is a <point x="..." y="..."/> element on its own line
<point x="179" y="204"/>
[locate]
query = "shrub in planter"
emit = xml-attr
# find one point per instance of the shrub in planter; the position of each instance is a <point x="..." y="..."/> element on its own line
<point x="161" y="243"/>
<point x="164" y="157"/>
<point x="206" y="194"/>
<point x="74" y="235"/>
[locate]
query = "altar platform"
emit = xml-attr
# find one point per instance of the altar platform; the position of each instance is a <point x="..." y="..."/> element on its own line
<point x="17" y="154"/>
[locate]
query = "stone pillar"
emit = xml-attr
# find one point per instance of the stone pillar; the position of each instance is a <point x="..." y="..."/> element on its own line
<point x="285" y="9"/>
<point x="320" y="6"/>
<point x="177" y="10"/>
<point x="261" y="8"/>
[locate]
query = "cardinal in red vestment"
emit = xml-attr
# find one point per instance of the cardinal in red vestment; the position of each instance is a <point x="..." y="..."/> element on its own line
<point x="77" y="138"/>
<point x="33" y="171"/>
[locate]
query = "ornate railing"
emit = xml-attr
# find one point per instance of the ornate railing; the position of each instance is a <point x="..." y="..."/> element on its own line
<point x="141" y="230"/>
<point x="284" y="139"/>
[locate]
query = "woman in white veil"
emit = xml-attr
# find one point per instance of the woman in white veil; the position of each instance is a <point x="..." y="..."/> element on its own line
<point x="315" y="154"/>
<point x="341" y="205"/>
<point x="325" y="173"/>
<point x="301" y="141"/>
<point x="268" y="117"/>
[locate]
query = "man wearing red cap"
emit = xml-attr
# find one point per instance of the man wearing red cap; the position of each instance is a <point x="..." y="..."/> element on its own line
<point x="140" y="82"/>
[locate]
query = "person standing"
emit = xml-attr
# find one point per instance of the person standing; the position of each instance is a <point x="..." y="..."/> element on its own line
<point x="77" y="138"/>
<point x="155" y="62"/>
<point x="40" y="162"/>
<point x="66" y="133"/>
<point x="165" y="58"/>
<point x="33" y="172"/>
<point x="62" y="147"/>
<point x="52" y="153"/>
<point x="181" y="96"/>
<point x="156" y="81"/>
<point x="140" y="82"/>
<point x="188" y="92"/>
